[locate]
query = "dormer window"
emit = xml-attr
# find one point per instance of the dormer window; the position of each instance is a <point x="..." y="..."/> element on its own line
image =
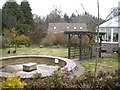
<point x="75" y="28"/>
<point x="67" y="27"/>
<point x="81" y="28"/>
<point x="54" y="28"/>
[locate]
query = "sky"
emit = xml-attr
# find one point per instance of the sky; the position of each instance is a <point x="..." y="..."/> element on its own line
<point x="44" y="7"/>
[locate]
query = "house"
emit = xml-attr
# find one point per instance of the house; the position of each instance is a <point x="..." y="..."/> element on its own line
<point x="110" y="39"/>
<point x="61" y="27"/>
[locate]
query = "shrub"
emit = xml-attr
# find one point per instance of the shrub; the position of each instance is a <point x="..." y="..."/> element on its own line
<point x="85" y="39"/>
<point x="61" y="79"/>
<point x="14" y="82"/>
<point x="41" y="46"/>
<point x="35" y="82"/>
<point x="65" y="79"/>
<point x="49" y="40"/>
<point x="115" y="48"/>
<point x="75" y="39"/>
<point x="60" y="38"/>
<point x="0" y="41"/>
<point x="36" y="36"/>
<point x="103" y="80"/>
<point x="8" y="37"/>
<point x="55" y="39"/>
<point x="22" y="40"/>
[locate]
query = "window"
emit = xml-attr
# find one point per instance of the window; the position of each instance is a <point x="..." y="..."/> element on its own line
<point x="74" y="28"/>
<point x="108" y="34"/>
<point x="115" y="34"/>
<point x="67" y="27"/>
<point x="102" y="29"/>
<point x="80" y="28"/>
<point x="115" y="37"/>
<point x="54" y="28"/>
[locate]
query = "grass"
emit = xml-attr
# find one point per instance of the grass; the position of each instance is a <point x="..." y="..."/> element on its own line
<point x="106" y="63"/>
<point x="109" y="64"/>
<point x="50" y="51"/>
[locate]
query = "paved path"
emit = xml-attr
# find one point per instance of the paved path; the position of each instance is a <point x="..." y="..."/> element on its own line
<point x="80" y="69"/>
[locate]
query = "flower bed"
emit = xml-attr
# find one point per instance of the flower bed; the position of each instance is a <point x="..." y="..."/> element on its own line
<point x="64" y="79"/>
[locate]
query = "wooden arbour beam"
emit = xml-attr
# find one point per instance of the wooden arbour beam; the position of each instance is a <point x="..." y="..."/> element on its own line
<point x="80" y="34"/>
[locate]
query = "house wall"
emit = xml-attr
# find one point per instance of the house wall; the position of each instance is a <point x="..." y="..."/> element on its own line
<point x="110" y="47"/>
<point x="110" y="40"/>
<point x="111" y="34"/>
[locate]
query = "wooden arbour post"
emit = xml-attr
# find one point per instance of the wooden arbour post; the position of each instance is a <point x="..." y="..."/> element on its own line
<point x="80" y="46"/>
<point x="80" y="34"/>
<point x="69" y="46"/>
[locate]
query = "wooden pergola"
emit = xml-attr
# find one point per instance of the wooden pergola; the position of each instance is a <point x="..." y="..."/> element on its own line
<point x="80" y="34"/>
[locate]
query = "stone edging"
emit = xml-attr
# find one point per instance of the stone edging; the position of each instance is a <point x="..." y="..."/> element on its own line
<point x="69" y="63"/>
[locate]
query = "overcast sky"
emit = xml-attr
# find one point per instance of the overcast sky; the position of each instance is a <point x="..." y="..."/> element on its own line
<point x="43" y="7"/>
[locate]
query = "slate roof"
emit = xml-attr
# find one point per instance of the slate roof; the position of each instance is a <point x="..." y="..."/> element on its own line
<point x="59" y="27"/>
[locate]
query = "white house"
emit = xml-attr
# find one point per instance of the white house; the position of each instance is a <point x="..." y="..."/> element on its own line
<point x="110" y="39"/>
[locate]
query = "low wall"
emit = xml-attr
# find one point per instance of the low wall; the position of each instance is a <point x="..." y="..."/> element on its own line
<point x="109" y="47"/>
<point x="70" y="64"/>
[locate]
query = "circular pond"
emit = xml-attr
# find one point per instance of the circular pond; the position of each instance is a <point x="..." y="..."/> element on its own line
<point x="28" y="65"/>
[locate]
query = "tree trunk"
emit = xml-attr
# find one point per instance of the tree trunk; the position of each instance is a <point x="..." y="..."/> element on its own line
<point x="119" y="32"/>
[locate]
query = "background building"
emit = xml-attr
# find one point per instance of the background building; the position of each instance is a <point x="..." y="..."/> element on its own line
<point x="110" y="40"/>
<point x="61" y="27"/>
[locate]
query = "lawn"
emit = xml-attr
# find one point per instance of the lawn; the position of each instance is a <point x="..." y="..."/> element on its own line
<point x="62" y="80"/>
<point x="109" y="64"/>
<point x="50" y="51"/>
<point x="106" y="63"/>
